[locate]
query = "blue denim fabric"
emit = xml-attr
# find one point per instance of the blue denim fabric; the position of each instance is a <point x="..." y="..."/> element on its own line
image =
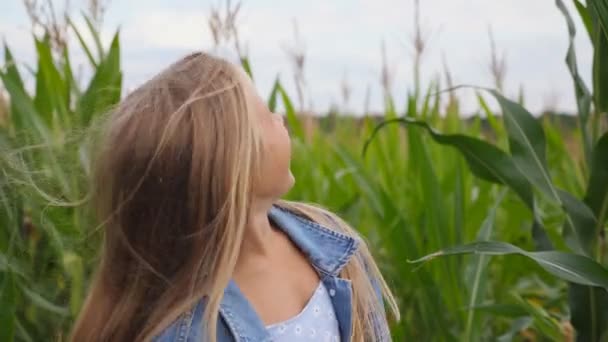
<point x="328" y="252"/>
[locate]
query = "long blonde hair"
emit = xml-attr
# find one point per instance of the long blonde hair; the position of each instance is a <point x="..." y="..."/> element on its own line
<point x="172" y="184"/>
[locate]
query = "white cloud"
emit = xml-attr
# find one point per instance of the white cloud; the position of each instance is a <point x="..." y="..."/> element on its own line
<point x="18" y="39"/>
<point x="168" y="29"/>
<point x="344" y="36"/>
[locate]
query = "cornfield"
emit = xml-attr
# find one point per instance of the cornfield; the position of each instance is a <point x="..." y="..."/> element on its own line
<point x="487" y="229"/>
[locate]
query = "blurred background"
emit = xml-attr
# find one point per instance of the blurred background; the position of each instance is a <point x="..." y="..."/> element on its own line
<point x="379" y="136"/>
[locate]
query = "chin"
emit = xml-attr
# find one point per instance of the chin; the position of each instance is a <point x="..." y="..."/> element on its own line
<point x="288" y="184"/>
<point x="292" y="179"/>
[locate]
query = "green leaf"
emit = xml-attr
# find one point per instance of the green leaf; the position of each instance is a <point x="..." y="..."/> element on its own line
<point x="27" y="120"/>
<point x="490" y="116"/>
<point x="503" y="310"/>
<point x="42" y="98"/>
<point x="516" y="327"/>
<point x="105" y="87"/>
<point x="600" y="72"/>
<point x="68" y="76"/>
<point x="95" y="34"/>
<point x="485" y="161"/>
<point x="272" y="99"/>
<point x="543" y="322"/>
<point x="599" y="39"/>
<point x="22" y="333"/>
<point x="51" y="86"/>
<point x="580" y="226"/>
<point x="599" y="8"/>
<point x="247" y="67"/>
<point x="597" y="188"/>
<point x="73" y="266"/>
<point x="83" y="44"/>
<point x="44" y="303"/>
<point x="12" y="78"/>
<point x="542" y="242"/>
<point x="588" y="311"/>
<point x="24" y="115"/>
<point x="526" y="144"/>
<point x="292" y="120"/>
<point x="11" y="265"/>
<point x="585" y="17"/>
<point x="8" y="307"/>
<point x="459" y="200"/>
<point x="574" y="268"/>
<point x="11" y="67"/>
<point x="365" y="182"/>
<point x="583" y="96"/>
<point x="477" y="284"/>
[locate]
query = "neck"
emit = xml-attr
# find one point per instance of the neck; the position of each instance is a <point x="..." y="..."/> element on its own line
<point x="257" y="240"/>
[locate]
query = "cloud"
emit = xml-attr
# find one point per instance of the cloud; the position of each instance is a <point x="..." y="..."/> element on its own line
<point x="343" y="37"/>
<point x="168" y="29"/>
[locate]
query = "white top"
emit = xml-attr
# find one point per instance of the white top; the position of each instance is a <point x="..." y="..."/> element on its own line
<point x="316" y="322"/>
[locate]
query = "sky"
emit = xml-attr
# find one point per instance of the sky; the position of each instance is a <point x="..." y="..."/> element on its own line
<point x="342" y="41"/>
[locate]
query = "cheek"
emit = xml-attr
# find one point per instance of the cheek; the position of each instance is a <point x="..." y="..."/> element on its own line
<point x="286" y="144"/>
<point x="277" y="151"/>
<point x="277" y="144"/>
<point x="275" y="174"/>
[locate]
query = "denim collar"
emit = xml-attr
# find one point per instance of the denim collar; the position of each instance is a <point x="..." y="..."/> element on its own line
<point x="327" y="249"/>
<point x="328" y="252"/>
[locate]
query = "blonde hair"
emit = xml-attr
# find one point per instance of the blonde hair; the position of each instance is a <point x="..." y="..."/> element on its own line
<point x="172" y="184"/>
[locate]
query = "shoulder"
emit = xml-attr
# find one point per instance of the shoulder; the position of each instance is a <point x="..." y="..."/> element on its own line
<point x="327" y="221"/>
<point x="187" y="327"/>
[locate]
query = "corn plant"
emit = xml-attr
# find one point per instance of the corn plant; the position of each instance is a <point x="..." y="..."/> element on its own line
<point x="407" y="195"/>
<point x="45" y="250"/>
<point x="525" y="171"/>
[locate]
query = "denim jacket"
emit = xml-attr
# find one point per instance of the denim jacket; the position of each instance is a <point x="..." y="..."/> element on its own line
<point x="328" y="252"/>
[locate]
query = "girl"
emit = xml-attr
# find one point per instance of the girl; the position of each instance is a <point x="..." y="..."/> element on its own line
<point x="197" y="245"/>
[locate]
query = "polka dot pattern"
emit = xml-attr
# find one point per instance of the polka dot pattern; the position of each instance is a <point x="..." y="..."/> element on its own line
<point x="316" y="322"/>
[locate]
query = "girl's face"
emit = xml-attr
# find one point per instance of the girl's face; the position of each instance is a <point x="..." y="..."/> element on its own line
<point x="276" y="178"/>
